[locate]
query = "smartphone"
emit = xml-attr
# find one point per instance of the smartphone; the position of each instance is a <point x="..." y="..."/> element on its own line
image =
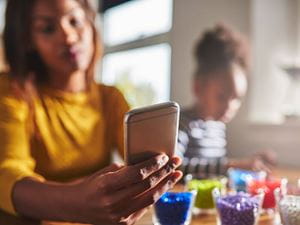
<point x="151" y="130"/>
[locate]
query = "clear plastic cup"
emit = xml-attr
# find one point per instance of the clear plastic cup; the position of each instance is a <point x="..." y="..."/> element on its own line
<point x="268" y="186"/>
<point x="204" y="203"/>
<point x="237" y="208"/>
<point x="238" y="178"/>
<point x="288" y="206"/>
<point x="174" y="208"/>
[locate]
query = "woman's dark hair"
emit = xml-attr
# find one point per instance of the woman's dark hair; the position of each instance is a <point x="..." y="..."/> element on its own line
<point x="218" y="48"/>
<point x="22" y="60"/>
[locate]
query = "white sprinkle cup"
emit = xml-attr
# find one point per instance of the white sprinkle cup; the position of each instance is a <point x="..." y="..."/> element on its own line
<point x="289" y="208"/>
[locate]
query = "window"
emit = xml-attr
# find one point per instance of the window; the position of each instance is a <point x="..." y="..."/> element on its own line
<point x="2" y="12"/>
<point x="2" y="20"/>
<point x="142" y="74"/>
<point x="137" y="55"/>
<point x="137" y="19"/>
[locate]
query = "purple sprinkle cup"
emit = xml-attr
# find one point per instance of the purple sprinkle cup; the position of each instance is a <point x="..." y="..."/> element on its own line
<point x="238" y="209"/>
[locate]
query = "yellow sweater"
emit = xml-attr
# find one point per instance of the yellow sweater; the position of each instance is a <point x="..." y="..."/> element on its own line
<point x="73" y="136"/>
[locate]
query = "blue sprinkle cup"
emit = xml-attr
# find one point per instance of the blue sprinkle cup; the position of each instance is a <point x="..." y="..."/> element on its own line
<point x="174" y="208"/>
<point x="239" y="178"/>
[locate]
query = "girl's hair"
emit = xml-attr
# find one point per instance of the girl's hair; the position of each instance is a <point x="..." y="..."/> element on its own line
<point x="218" y="48"/>
<point x="24" y="62"/>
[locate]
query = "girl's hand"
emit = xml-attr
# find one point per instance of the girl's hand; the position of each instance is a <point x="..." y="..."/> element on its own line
<point x="254" y="163"/>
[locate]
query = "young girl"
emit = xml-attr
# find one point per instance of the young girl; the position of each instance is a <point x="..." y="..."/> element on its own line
<point x="219" y="85"/>
<point x="58" y="127"/>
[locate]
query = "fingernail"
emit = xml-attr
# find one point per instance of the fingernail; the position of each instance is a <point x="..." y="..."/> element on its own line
<point x="174" y="179"/>
<point x="177" y="174"/>
<point x="162" y="160"/>
<point x="165" y="158"/>
<point x="176" y="162"/>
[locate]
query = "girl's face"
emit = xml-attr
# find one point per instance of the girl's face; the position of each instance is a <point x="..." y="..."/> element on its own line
<point x="62" y="35"/>
<point x="220" y="97"/>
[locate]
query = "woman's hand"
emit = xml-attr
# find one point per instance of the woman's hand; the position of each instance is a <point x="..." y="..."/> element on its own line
<point x="121" y="194"/>
<point x="114" y="195"/>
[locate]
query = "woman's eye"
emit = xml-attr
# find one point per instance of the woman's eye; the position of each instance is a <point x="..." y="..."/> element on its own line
<point x="47" y="29"/>
<point x="76" y="22"/>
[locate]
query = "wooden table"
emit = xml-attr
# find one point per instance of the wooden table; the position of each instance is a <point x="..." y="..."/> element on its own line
<point x="208" y="220"/>
<point x="291" y="174"/>
<point x="6" y="219"/>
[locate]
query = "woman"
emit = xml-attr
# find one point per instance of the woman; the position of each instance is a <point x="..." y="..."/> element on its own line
<point x="57" y="127"/>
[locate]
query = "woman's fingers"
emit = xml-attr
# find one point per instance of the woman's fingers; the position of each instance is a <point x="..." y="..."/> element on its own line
<point x="109" y="169"/>
<point x="126" y="190"/>
<point x="126" y="208"/>
<point x="133" y="174"/>
<point x="149" y="183"/>
<point x="151" y="196"/>
<point x="176" y="161"/>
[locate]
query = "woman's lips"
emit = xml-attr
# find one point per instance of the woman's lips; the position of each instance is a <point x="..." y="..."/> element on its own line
<point x="71" y="54"/>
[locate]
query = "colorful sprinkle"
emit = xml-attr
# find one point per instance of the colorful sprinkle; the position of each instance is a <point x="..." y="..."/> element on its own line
<point x="239" y="209"/>
<point x="204" y="198"/>
<point x="174" y="208"/>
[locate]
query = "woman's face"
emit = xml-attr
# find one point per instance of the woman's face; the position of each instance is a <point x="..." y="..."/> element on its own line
<point x="62" y="35"/>
<point x="220" y="97"/>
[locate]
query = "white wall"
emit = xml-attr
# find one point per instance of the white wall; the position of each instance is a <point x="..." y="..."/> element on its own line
<point x="191" y="18"/>
<point x="268" y="23"/>
<point x="274" y="41"/>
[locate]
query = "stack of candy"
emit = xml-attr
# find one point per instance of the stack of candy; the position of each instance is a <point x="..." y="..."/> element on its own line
<point x="268" y="186"/>
<point x="238" y="209"/>
<point x="289" y="208"/>
<point x="174" y="208"/>
<point x="238" y="178"/>
<point x="204" y="198"/>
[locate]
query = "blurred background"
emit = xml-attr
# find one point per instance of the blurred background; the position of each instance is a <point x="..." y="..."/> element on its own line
<point x="148" y="56"/>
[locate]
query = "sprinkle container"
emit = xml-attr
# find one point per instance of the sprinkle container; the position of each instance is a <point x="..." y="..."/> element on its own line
<point x="174" y="208"/>
<point x="238" y="178"/>
<point x="288" y="205"/>
<point x="289" y="209"/>
<point x="268" y="186"/>
<point x="238" y="209"/>
<point x="204" y="199"/>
